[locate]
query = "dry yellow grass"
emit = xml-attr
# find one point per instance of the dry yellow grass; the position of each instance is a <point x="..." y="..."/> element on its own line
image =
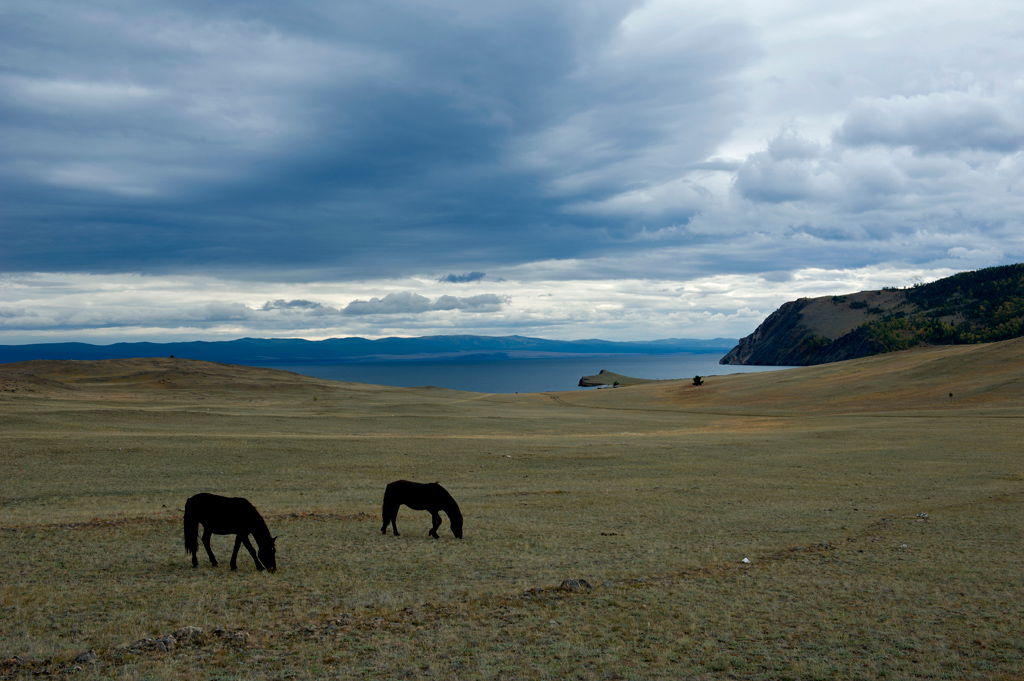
<point x="832" y="316"/>
<point x="653" y="493"/>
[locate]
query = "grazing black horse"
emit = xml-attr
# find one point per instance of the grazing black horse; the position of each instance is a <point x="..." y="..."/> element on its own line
<point x="421" y="496"/>
<point x="228" y="515"/>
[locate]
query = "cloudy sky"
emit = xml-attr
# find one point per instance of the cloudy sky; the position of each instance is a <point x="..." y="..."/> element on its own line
<point x="555" y="168"/>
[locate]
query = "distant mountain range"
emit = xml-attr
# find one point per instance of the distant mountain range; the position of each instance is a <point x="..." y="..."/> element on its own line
<point x="296" y="351"/>
<point x="971" y="307"/>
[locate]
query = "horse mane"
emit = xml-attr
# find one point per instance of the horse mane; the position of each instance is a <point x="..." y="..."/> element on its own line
<point x="260" y="531"/>
<point x="451" y="507"/>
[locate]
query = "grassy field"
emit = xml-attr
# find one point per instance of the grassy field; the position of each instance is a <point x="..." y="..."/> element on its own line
<point x="653" y="494"/>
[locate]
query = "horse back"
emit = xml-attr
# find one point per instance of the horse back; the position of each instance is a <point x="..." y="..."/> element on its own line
<point x="223" y="515"/>
<point x="419" y="496"/>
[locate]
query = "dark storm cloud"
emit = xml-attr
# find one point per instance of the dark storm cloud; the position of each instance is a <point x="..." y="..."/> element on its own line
<point x="345" y="139"/>
<point x="407" y="302"/>
<point x="281" y="304"/>
<point x="154" y="148"/>
<point x="462" y="278"/>
<point x="300" y="308"/>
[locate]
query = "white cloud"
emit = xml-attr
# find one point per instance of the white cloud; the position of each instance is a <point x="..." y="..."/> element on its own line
<point x="55" y="94"/>
<point x="976" y="258"/>
<point x="548" y="302"/>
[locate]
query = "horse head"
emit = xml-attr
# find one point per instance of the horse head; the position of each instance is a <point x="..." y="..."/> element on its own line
<point x="268" y="555"/>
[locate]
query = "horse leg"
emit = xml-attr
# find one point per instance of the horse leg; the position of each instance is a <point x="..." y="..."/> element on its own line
<point x="437" y="523"/>
<point x="390" y="513"/>
<point x="252" y="551"/>
<point x="206" y="542"/>
<point x="234" y="554"/>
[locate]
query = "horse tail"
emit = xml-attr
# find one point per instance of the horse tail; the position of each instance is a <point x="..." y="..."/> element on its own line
<point x="389" y="502"/>
<point x="191" y="528"/>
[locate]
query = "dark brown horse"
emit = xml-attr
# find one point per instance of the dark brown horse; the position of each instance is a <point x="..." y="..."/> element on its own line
<point x="421" y="496"/>
<point x="228" y="515"/>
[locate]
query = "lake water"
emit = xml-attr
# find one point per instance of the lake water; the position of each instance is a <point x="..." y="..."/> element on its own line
<point x="520" y="375"/>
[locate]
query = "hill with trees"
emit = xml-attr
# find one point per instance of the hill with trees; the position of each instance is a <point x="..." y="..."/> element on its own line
<point x="971" y="307"/>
